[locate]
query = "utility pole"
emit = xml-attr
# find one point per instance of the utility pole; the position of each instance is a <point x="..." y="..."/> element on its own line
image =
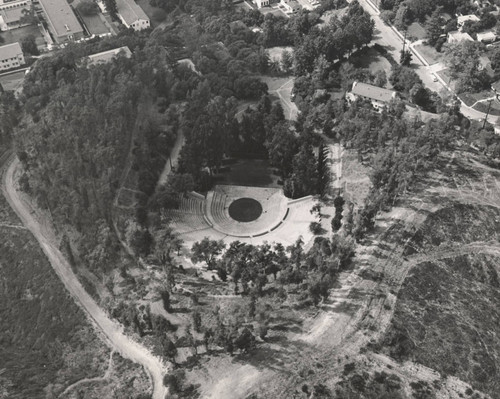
<point x="404" y="44"/>
<point x="487" y="113"/>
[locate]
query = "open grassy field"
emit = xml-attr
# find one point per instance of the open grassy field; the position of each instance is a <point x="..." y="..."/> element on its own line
<point x="46" y="342"/>
<point x="281" y="89"/>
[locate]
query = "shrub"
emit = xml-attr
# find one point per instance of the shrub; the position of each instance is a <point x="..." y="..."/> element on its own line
<point x="316" y="228"/>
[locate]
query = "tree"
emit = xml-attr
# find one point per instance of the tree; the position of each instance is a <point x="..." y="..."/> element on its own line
<point x="207" y="251"/>
<point x="406" y="57"/>
<point x="87" y="7"/>
<point x="403" y="78"/>
<point x="111" y="7"/>
<point x="28" y="45"/>
<point x="165" y="297"/>
<point x="196" y="320"/>
<point x="141" y="242"/>
<point x="304" y="179"/>
<point x="433" y="27"/>
<point x="464" y="62"/>
<point x="286" y="61"/>
<point x="245" y="340"/>
<point x="169" y="348"/>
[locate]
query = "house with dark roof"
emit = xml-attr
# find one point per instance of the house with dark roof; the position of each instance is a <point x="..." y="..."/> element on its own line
<point x="378" y="96"/>
<point x="131" y="15"/>
<point x="61" y="20"/>
<point x="11" y="56"/>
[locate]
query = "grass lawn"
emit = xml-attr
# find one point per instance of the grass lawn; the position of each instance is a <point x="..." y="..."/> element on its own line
<point x="472" y="98"/>
<point x="483" y="107"/>
<point x="249" y="172"/>
<point x="281" y="88"/>
<point x="417" y="31"/>
<point x="429" y="53"/>
<point x="16" y="35"/>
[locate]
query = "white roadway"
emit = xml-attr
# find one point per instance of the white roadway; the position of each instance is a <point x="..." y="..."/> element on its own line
<point x="393" y="41"/>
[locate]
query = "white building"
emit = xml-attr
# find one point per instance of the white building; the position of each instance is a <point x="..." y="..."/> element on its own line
<point x="486" y="37"/>
<point x="462" y="19"/>
<point x="262" y="3"/>
<point x="11" y="56"/>
<point x="378" y="96"/>
<point x="106" y="56"/>
<point x="459" y="37"/>
<point x="291" y="6"/>
<point x="131" y="15"/>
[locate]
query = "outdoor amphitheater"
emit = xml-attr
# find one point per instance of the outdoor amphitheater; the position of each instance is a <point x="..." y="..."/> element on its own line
<point x="248" y="214"/>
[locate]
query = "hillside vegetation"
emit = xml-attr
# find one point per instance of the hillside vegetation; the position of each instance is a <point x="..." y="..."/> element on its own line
<point x="447" y="311"/>
<point x="46" y="342"/>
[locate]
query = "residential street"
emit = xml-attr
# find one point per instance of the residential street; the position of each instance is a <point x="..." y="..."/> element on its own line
<point x="387" y="37"/>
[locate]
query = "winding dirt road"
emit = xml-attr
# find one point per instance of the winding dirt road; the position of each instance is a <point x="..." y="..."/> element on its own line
<point x="112" y="330"/>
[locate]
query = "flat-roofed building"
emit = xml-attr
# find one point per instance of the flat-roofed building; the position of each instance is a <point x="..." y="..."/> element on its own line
<point x="11" y="56"/>
<point x="12" y="12"/>
<point x="131" y="15"/>
<point x="378" y="96"/>
<point x="61" y="20"/>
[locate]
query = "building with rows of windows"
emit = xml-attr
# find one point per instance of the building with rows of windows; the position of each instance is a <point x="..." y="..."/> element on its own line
<point x="11" y="56"/>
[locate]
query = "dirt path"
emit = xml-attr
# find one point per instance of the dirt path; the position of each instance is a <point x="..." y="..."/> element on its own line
<point x="106" y="375"/>
<point x="172" y="159"/>
<point x="112" y="330"/>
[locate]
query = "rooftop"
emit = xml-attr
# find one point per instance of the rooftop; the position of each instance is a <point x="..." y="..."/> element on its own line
<point x="12" y="15"/>
<point x="107" y="56"/>
<point x="130" y="12"/>
<point x="10" y="50"/>
<point x="487" y="36"/>
<point x="61" y="17"/>
<point x="372" y="92"/>
<point x="464" y="18"/>
<point x="460" y="36"/>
